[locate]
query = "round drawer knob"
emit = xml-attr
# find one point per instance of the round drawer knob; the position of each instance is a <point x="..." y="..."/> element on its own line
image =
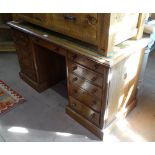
<point x="94" y="102"/>
<point x="91" y="20"/>
<point x="125" y="76"/>
<point x="94" y="90"/>
<point x="92" y="116"/>
<point x="94" y="79"/>
<point x="96" y="66"/>
<point x="73" y="104"/>
<point x="75" y="91"/>
<point x="75" y="79"/>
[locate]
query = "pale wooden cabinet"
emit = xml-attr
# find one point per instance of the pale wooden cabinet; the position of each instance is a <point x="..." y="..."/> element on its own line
<point x="103" y="31"/>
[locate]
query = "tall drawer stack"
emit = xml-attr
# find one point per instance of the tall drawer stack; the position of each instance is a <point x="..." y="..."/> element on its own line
<point x="86" y="84"/>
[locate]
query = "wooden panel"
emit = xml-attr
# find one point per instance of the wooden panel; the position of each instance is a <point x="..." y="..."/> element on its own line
<point x="93" y="77"/>
<point x="84" y="97"/>
<point x="91" y="89"/>
<point x="25" y="54"/>
<point x="123" y="86"/>
<point x="89" y="114"/>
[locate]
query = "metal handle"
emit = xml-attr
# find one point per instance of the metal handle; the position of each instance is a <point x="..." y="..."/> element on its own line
<point x="69" y="18"/>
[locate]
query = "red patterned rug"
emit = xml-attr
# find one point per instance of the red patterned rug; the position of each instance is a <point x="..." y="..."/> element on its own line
<point x="8" y="98"/>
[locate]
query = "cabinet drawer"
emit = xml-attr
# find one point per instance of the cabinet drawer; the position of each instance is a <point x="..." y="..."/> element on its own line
<point x="84" y="97"/>
<point x="93" y="77"/>
<point x="80" y="26"/>
<point x="82" y="83"/>
<point x="82" y="60"/>
<point x="85" y="111"/>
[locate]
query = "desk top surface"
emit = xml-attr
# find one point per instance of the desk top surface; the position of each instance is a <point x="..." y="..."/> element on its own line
<point x="120" y="51"/>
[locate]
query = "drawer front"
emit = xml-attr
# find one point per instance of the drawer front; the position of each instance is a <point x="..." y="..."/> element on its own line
<point x="93" y="77"/>
<point x="87" y="62"/>
<point x="84" y="97"/>
<point x="85" y="111"/>
<point x="82" y="83"/>
<point x="76" y="25"/>
<point x="36" y="18"/>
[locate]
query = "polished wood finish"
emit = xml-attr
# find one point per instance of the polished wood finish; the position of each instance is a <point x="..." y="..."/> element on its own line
<point x="103" y="30"/>
<point x="99" y="89"/>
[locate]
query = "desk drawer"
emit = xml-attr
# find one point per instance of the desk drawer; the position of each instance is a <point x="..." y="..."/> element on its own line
<point x="86" y="62"/>
<point x="85" y="111"/>
<point x="82" y="83"/>
<point x="93" y="77"/>
<point x="84" y="97"/>
<point x="77" y="25"/>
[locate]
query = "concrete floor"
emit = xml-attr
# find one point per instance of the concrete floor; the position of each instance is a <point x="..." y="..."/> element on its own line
<point x="42" y="117"/>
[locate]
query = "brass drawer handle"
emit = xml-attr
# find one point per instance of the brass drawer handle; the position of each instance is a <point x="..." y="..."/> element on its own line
<point x="69" y="18"/>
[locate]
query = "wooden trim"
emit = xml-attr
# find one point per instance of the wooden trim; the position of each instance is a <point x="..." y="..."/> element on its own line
<point x="140" y="25"/>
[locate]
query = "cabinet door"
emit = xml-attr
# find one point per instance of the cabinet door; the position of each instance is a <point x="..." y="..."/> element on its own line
<point x="123" y="86"/>
<point x="25" y="54"/>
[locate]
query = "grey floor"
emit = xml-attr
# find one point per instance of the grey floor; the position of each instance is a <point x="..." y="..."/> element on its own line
<point x="42" y="117"/>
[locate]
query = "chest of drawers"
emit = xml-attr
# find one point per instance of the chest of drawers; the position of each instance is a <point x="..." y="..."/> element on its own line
<point x="103" y="31"/>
